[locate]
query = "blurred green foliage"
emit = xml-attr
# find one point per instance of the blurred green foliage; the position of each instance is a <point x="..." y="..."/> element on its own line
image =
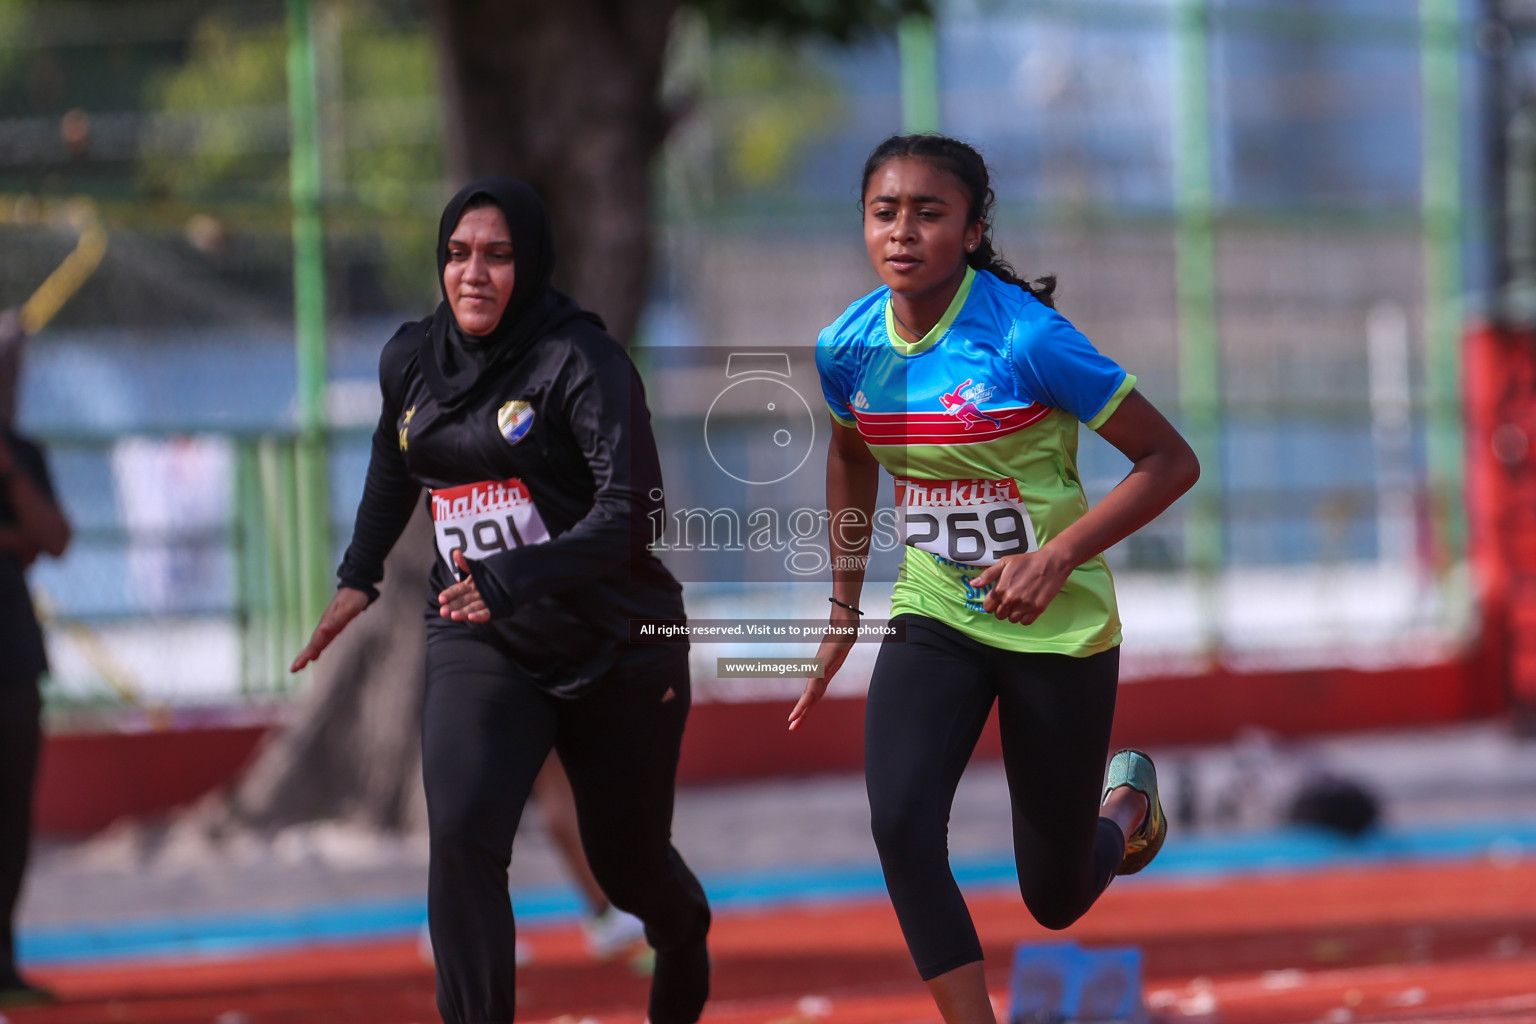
<point x="767" y="99"/>
<point x="378" y="90"/>
<point x="13" y="21"/>
<point x="227" y="129"/>
<point x="173" y="115"/>
<point x="768" y="96"/>
<point x="237" y="74"/>
<point x="771" y="96"/>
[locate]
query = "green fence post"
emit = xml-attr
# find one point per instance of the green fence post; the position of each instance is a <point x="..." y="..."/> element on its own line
<point x="1199" y="339"/>
<point x="1440" y="81"/>
<point x="918" y="44"/>
<point x="245" y="539"/>
<point x="312" y="490"/>
<point x="283" y="585"/>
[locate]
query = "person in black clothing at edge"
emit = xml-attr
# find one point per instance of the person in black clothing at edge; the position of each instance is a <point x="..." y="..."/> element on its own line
<point x="527" y="424"/>
<point x="30" y="524"/>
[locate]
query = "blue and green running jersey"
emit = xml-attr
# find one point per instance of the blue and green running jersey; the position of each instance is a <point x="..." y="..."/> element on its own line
<point x="978" y="424"/>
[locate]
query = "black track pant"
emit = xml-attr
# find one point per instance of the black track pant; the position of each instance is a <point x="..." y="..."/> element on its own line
<point x="20" y="706"/>
<point x="928" y="700"/>
<point x="486" y="732"/>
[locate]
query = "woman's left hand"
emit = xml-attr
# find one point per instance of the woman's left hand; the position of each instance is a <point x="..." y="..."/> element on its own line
<point x="462" y="601"/>
<point x="1024" y="585"/>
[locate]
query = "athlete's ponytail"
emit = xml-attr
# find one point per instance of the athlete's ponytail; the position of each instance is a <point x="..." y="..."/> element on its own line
<point x="970" y="170"/>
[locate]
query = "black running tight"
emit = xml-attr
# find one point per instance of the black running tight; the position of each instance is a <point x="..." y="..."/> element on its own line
<point x="928" y="700"/>
<point x="486" y="732"/>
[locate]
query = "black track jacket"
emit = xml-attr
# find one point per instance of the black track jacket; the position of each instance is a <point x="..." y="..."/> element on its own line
<point x="560" y="440"/>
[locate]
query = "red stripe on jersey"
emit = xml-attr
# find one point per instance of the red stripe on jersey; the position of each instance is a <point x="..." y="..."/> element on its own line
<point x="893" y="428"/>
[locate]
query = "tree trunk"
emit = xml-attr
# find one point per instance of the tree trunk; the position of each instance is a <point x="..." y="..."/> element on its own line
<point x="566" y="96"/>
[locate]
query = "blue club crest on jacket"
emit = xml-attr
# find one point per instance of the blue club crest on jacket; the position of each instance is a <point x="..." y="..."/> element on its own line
<point x="513" y="420"/>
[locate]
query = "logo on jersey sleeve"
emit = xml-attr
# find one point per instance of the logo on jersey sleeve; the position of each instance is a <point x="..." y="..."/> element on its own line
<point x="961" y="403"/>
<point x="405" y="427"/>
<point x="514" y="420"/>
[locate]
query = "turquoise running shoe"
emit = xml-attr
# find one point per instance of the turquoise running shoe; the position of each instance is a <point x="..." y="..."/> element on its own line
<point x="1133" y="768"/>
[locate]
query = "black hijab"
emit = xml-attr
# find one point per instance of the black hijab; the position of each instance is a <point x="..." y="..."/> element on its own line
<point x="453" y="361"/>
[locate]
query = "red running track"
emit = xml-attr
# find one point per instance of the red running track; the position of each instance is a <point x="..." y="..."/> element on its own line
<point x="1384" y="944"/>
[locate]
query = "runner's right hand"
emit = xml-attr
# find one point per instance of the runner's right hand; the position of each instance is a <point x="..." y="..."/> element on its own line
<point x="834" y="651"/>
<point x="344" y="607"/>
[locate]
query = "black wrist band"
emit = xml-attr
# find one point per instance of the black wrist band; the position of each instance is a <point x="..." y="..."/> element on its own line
<point x="845" y="604"/>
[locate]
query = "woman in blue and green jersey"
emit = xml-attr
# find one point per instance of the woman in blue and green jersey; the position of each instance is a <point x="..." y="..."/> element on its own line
<point x="968" y="387"/>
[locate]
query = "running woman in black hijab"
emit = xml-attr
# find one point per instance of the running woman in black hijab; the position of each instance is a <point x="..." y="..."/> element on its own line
<point x="527" y="424"/>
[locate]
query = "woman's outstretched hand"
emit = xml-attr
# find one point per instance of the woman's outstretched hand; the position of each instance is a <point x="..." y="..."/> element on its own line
<point x="462" y="601"/>
<point x="344" y="607"/>
<point x="832" y="652"/>
<point x="1024" y="585"/>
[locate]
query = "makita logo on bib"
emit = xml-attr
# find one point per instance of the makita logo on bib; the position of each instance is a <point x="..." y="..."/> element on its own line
<point x="911" y="492"/>
<point x="472" y="499"/>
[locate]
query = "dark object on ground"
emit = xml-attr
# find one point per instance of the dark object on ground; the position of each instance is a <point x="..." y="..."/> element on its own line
<point x="1338" y="805"/>
<point x="16" y="993"/>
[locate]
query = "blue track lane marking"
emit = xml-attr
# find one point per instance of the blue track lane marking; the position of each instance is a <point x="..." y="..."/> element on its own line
<point x="235" y="934"/>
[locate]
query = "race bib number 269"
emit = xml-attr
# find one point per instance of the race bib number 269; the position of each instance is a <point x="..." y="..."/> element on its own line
<point x="484" y="518"/>
<point x="975" y="522"/>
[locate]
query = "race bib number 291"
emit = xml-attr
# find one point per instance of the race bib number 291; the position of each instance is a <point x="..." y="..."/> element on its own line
<point x="975" y="522"/>
<point x="484" y="518"/>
